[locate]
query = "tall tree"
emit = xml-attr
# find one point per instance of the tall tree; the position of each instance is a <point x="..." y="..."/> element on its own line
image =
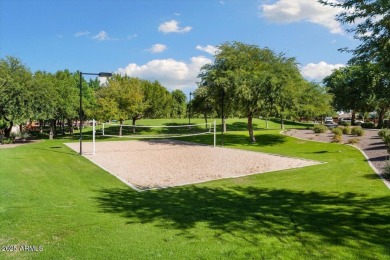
<point x="123" y="98"/>
<point x="178" y="103"/>
<point x="370" y="24"/>
<point x="158" y="99"/>
<point x="353" y="88"/>
<point x="252" y="80"/>
<point x="15" y="80"/>
<point x="203" y="103"/>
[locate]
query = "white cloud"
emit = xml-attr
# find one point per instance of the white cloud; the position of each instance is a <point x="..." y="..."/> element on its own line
<point x="173" y="27"/>
<point x="132" y="36"/>
<point x="170" y="73"/>
<point x="79" y="34"/>
<point x="289" y="11"/>
<point x="319" y="71"/>
<point x="157" y="48"/>
<point x="101" y="36"/>
<point x="209" y="49"/>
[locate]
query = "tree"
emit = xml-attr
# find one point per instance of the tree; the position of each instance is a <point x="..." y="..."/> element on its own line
<point x="354" y="87"/>
<point x="15" y="79"/>
<point x="370" y="24"/>
<point x="178" y="103"/>
<point x="122" y="98"/>
<point x="202" y="102"/>
<point x="158" y="99"/>
<point x="252" y="80"/>
<point x="370" y="21"/>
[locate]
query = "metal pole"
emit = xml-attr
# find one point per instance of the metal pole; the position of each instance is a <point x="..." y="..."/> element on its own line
<point x="223" y="115"/>
<point x="189" y="110"/>
<point x="215" y="133"/>
<point x="80" y="114"/>
<point x="93" y="136"/>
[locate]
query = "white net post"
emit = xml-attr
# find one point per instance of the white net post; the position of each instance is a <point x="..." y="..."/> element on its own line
<point x="93" y="136"/>
<point x="215" y="135"/>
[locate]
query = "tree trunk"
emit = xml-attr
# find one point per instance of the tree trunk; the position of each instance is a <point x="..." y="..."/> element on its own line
<point x="70" y="125"/>
<point x="224" y="125"/>
<point x="250" y="128"/>
<point x="134" y="119"/>
<point x="51" y="134"/>
<point x="120" y="126"/>
<point x="281" y="122"/>
<point x="381" y="117"/>
<point x="266" y="123"/>
<point x="7" y="131"/>
<point x="41" y="126"/>
<point x="353" y="117"/>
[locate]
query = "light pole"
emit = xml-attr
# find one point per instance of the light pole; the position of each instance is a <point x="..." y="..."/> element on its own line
<point x="189" y="110"/>
<point x="223" y="115"/>
<point x="101" y="74"/>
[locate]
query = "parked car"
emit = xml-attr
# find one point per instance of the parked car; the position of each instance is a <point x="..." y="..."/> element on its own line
<point x="330" y="124"/>
<point x="345" y="121"/>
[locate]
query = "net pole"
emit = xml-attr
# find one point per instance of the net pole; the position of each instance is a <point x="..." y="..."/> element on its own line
<point x="93" y="136"/>
<point x="215" y="135"/>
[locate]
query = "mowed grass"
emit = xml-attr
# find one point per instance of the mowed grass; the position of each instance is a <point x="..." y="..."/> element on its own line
<point x="53" y="198"/>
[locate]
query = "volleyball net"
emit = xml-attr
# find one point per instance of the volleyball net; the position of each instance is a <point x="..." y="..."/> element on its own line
<point x="156" y="131"/>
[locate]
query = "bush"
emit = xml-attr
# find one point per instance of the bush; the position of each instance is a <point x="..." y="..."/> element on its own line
<point x="7" y="141"/>
<point x="338" y="131"/>
<point x="24" y="135"/>
<point x="320" y="128"/>
<point x="353" y="141"/>
<point x="384" y="132"/>
<point x="368" y="125"/>
<point x="347" y="130"/>
<point x="357" y="131"/>
<point x="337" y="139"/>
<point x="386" y="170"/>
<point x="344" y="123"/>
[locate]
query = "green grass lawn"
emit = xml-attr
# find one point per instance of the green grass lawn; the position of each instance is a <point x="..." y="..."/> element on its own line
<point x="53" y="198"/>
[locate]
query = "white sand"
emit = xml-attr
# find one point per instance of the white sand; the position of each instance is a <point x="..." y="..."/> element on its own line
<point x="167" y="163"/>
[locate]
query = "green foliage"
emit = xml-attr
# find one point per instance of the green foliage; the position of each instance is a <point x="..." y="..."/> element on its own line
<point x="7" y="140"/>
<point x="178" y="107"/>
<point x="386" y="170"/>
<point x="337" y="131"/>
<point x="357" y="131"/>
<point x="346" y="130"/>
<point x="385" y="135"/>
<point x="368" y="125"/>
<point x="319" y="128"/>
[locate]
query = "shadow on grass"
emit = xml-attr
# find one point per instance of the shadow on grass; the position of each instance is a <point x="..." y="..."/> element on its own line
<point x="335" y="219"/>
<point x="232" y="139"/>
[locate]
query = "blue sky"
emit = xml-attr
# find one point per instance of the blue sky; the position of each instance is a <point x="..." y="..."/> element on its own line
<point x="167" y="40"/>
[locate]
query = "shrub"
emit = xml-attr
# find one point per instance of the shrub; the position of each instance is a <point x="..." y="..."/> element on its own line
<point x="357" y="131"/>
<point x="386" y="170"/>
<point x="12" y="135"/>
<point x="385" y="135"/>
<point x="338" y="131"/>
<point x="368" y="125"/>
<point x="384" y="132"/>
<point x="337" y="139"/>
<point x="347" y="130"/>
<point x="7" y="141"/>
<point x="24" y="135"/>
<point x="320" y="128"/>
<point x="353" y="141"/>
<point x="344" y="123"/>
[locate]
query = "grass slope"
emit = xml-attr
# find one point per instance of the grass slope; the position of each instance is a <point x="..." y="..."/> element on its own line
<point x="53" y="198"/>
